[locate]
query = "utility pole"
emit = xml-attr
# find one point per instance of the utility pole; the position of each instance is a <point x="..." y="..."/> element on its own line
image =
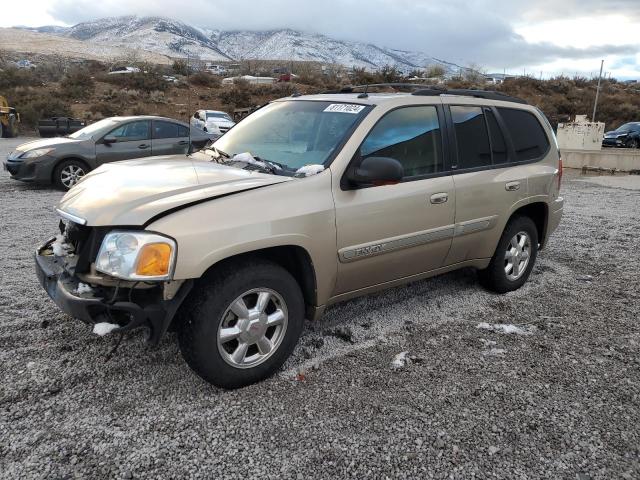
<point x="595" y="104"/>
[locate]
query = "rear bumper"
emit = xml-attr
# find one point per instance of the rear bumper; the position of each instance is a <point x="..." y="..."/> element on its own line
<point x="556" y="209"/>
<point x="153" y="312"/>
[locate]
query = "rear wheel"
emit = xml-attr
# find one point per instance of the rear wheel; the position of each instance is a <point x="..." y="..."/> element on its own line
<point x="68" y="173"/>
<point x="12" y="129"/>
<point x="514" y="257"/>
<point x="241" y="323"/>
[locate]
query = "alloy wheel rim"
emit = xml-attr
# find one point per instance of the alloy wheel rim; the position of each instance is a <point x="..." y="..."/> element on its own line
<point x="517" y="256"/>
<point x="70" y="175"/>
<point x="252" y="328"/>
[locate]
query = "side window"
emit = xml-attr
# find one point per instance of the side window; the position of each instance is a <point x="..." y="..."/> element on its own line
<point x="182" y="131"/>
<point x="168" y="130"/>
<point x="130" y="132"/>
<point x="529" y="138"/>
<point x="471" y="137"/>
<point x="498" y="145"/>
<point x="412" y="136"/>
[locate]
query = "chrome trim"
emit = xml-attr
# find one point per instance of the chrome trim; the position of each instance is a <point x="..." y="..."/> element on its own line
<point x="357" y="252"/>
<point x="388" y="245"/>
<point x="73" y="218"/>
<point x="475" y="225"/>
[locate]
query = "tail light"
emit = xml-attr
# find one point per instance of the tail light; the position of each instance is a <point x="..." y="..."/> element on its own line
<point x="559" y="172"/>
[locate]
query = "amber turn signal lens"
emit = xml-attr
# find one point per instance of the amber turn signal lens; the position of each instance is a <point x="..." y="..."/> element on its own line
<point x="154" y="260"/>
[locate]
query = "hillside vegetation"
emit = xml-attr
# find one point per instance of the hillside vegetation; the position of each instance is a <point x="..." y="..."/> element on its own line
<point x="84" y="90"/>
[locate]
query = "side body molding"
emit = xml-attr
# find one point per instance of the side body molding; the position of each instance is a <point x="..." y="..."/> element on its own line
<point x="387" y="245"/>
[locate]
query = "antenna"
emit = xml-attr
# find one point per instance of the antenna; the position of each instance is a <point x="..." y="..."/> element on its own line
<point x="190" y="148"/>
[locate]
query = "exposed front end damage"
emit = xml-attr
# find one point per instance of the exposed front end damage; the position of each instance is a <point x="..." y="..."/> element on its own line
<point x="64" y="266"/>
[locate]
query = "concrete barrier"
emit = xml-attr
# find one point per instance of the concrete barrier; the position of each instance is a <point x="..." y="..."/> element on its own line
<point x="623" y="159"/>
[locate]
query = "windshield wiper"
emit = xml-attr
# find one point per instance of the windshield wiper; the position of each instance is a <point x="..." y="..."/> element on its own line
<point x="221" y="153"/>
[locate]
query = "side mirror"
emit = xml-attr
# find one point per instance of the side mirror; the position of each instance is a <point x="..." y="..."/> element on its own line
<point x="377" y="171"/>
<point x="109" y="139"/>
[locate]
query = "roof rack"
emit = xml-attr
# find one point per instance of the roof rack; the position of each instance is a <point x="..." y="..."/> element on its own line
<point x="352" y="88"/>
<point x="486" y="94"/>
<point x="434" y="91"/>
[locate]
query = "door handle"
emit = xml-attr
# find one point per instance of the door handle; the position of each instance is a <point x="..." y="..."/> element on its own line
<point x="142" y="146"/>
<point x="182" y="142"/>
<point x="438" y="198"/>
<point x="512" y="186"/>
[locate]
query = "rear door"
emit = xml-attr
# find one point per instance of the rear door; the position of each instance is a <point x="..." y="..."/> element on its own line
<point x="169" y="138"/>
<point x="389" y="232"/>
<point x="132" y="140"/>
<point x="491" y="173"/>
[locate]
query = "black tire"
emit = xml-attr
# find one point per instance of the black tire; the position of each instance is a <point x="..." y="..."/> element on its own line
<point x="12" y="129"/>
<point x="495" y="277"/>
<point x="634" y="143"/>
<point x="58" y="173"/>
<point x="203" y="312"/>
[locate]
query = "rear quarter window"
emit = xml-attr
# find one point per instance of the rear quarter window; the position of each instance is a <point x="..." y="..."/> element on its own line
<point x="529" y="138"/>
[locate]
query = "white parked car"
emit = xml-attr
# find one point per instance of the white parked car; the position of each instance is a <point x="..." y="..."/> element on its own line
<point x="214" y="122"/>
<point x="215" y="69"/>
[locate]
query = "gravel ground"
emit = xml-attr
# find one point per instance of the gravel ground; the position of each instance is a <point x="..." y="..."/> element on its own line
<point x="559" y="398"/>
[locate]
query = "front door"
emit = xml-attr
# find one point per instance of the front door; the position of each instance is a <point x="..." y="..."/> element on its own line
<point x="131" y="140"/>
<point x="393" y="231"/>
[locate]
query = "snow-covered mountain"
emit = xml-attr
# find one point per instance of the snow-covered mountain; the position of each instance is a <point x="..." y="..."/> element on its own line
<point x="174" y="39"/>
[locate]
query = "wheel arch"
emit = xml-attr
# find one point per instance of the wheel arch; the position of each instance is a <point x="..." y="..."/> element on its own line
<point x="64" y="159"/>
<point x="539" y="213"/>
<point x="293" y="258"/>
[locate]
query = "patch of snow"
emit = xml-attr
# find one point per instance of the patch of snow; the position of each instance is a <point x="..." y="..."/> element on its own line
<point x="83" y="288"/>
<point x="487" y="343"/>
<point x="60" y="246"/>
<point x="401" y="360"/>
<point x="104" y="328"/>
<point x="506" y="328"/>
<point x="495" y="352"/>
<point x="493" y="450"/>
<point x="309" y="170"/>
<point x="246" y="157"/>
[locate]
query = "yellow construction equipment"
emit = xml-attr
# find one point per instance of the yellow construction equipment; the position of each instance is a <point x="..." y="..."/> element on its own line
<point x="9" y="119"/>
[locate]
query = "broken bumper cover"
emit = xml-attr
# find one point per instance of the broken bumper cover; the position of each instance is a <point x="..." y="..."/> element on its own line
<point x="62" y="288"/>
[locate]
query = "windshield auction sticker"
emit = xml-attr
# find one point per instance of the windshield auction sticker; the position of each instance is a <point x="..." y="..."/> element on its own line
<point x="344" y="108"/>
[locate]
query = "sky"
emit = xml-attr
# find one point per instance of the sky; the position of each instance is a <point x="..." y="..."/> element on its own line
<point x="539" y="37"/>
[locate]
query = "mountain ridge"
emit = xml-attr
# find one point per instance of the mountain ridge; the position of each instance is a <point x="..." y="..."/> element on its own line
<point x="175" y="38"/>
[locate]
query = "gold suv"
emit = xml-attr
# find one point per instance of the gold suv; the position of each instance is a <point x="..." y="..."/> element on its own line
<point x="309" y="201"/>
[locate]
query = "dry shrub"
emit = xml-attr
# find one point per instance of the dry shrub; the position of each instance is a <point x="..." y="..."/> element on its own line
<point x="204" y="79"/>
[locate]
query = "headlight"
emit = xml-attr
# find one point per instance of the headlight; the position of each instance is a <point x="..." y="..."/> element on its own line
<point x="137" y="256"/>
<point x="39" y="152"/>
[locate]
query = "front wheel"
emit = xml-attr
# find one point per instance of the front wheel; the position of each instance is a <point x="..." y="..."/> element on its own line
<point x="514" y="257"/>
<point x="68" y="173"/>
<point x="241" y="323"/>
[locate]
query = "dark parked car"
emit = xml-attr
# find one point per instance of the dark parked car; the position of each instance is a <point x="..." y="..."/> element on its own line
<point x="59" y="126"/>
<point x="626" y="136"/>
<point x="64" y="160"/>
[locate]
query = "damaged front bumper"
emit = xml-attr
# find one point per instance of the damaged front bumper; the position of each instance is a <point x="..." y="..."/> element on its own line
<point x="129" y="307"/>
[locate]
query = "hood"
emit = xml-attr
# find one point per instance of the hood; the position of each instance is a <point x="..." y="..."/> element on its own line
<point x="45" y="143"/>
<point x="135" y="191"/>
<point x="615" y="133"/>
